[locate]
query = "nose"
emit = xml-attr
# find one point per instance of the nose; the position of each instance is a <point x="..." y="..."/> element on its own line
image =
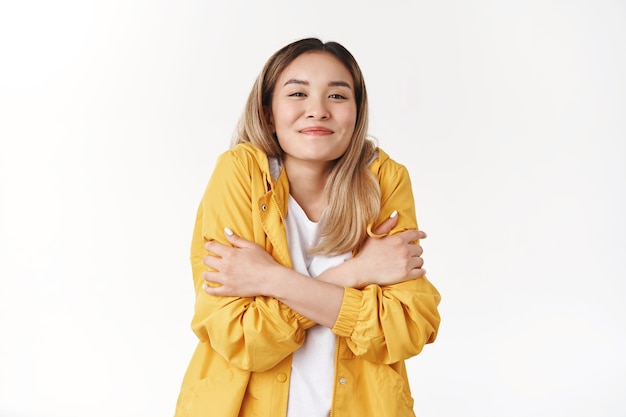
<point x="317" y="109"/>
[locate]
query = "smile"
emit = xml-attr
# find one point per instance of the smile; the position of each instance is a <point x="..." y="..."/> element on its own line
<point x="316" y="131"/>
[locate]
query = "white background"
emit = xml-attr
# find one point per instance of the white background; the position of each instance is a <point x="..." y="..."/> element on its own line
<point x="509" y="115"/>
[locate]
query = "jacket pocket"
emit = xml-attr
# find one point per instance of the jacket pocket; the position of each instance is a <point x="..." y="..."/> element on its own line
<point x="217" y="395"/>
<point x="396" y="387"/>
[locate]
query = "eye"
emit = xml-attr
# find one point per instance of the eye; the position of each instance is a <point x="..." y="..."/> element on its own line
<point x="297" y="94"/>
<point x="337" y="96"/>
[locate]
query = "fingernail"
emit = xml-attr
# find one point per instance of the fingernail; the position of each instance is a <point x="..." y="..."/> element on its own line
<point x="393" y="214"/>
<point x="228" y="231"/>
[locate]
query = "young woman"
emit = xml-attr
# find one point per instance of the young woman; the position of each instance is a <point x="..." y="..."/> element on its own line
<point x="310" y="292"/>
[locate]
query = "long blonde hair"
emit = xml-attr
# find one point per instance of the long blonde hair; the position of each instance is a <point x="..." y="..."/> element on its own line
<point x="352" y="190"/>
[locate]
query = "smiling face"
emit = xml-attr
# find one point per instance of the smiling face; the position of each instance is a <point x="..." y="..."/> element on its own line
<point x="313" y="110"/>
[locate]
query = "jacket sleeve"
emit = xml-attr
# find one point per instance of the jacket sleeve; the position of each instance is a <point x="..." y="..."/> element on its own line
<point x="252" y="333"/>
<point x="391" y="323"/>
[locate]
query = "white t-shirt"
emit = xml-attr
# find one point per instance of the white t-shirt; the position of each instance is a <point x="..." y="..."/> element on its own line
<point x="313" y="366"/>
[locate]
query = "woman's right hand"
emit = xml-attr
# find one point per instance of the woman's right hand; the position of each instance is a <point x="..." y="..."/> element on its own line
<point x="389" y="259"/>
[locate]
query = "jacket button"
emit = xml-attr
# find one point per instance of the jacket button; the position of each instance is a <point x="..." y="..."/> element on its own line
<point x="263" y="207"/>
<point x="281" y="377"/>
<point x="342" y="381"/>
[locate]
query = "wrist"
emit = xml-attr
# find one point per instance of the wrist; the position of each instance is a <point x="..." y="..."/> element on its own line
<point x="352" y="275"/>
<point x="345" y="274"/>
<point x="275" y="281"/>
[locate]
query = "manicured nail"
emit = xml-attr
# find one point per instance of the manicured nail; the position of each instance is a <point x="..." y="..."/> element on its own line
<point x="393" y="214"/>
<point x="228" y="231"/>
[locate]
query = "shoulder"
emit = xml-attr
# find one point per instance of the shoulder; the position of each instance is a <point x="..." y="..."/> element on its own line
<point x="385" y="167"/>
<point x="244" y="156"/>
<point x="244" y="152"/>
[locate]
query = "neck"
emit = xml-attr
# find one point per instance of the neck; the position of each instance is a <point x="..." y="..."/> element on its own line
<point x="306" y="186"/>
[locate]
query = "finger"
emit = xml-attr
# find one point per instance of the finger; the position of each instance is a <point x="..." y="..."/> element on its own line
<point x="413" y="234"/>
<point x="216" y="248"/>
<point x="212" y="261"/>
<point x="212" y="279"/>
<point x="410" y="235"/>
<point x="235" y="240"/>
<point x="418" y="273"/>
<point x="416" y="262"/>
<point x="415" y="250"/>
<point x="212" y="289"/>
<point x="386" y="226"/>
<point x="419" y="234"/>
<point x="416" y="268"/>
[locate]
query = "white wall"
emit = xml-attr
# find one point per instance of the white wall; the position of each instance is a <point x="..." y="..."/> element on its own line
<point x="509" y="116"/>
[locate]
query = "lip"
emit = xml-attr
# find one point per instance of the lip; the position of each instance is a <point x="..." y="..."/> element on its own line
<point x="316" y="130"/>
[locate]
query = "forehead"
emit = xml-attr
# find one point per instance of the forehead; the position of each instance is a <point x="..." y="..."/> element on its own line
<point x="316" y="66"/>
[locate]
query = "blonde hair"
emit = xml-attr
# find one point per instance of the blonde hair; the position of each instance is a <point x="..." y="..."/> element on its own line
<point x="352" y="190"/>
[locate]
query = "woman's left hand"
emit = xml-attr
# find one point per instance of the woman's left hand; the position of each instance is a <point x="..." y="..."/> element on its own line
<point x="240" y="270"/>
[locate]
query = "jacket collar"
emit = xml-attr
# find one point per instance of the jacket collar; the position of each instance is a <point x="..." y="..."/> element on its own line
<point x="276" y="178"/>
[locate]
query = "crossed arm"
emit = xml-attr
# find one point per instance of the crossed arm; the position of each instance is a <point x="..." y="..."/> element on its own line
<point x="246" y="270"/>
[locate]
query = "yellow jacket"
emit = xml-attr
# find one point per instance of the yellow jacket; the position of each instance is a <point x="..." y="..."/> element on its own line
<point x="242" y="363"/>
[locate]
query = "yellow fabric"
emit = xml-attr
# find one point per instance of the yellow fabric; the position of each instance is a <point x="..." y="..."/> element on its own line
<point x="242" y="362"/>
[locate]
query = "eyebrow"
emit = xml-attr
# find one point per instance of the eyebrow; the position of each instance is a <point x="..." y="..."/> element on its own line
<point x="330" y="84"/>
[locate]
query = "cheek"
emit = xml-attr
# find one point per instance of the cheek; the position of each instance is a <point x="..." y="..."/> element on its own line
<point x="348" y="118"/>
<point x="284" y="115"/>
